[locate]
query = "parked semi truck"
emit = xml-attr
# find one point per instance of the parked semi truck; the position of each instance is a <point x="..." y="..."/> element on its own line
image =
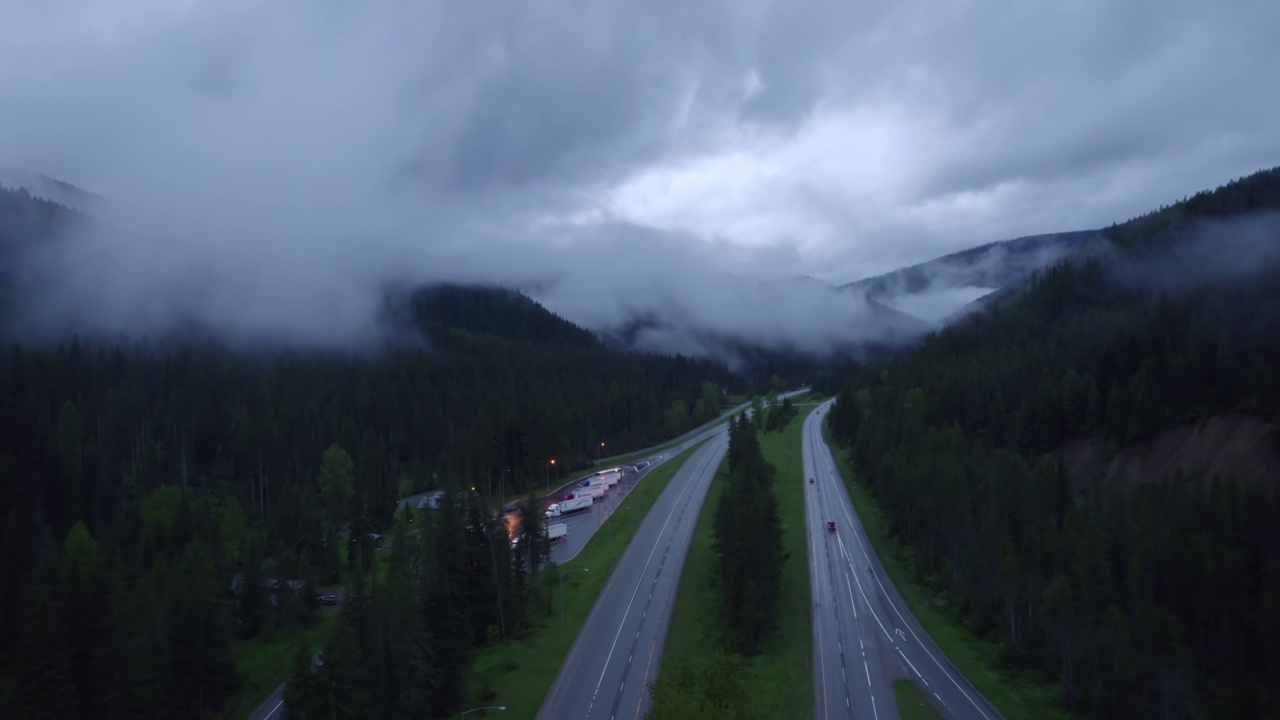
<point x="555" y="532"/>
<point x="606" y="479"/>
<point x="594" y="491"/>
<point x="565" y="507"/>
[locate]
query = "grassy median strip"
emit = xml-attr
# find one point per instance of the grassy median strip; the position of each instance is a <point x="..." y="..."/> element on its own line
<point x="1016" y="695"/>
<point x="695" y="614"/>
<point x="780" y="679"/>
<point x="519" y="673"/>
<point x="912" y="703"/>
<point x="787" y="663"/>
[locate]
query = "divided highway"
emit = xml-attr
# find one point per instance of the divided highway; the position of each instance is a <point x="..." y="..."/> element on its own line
<point x="864" y="637"/>
<point x="618" y="651"/>
<point x="583" y="526"/>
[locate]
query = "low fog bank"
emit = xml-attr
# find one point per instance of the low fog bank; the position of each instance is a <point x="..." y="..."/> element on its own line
<point x="940" y="291"/>
<point x="1202" y="253"/>
<point x="281" y="276"/>
<point x="936" y="305"/>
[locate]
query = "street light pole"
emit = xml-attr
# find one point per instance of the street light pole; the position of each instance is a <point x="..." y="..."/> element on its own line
<point x="563" y="575"/>
<point x="550" y="465"/>
<point x="487" y="707"/>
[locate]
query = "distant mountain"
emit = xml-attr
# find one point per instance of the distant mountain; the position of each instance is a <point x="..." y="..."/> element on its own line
<point x="478" y="312"/>
<point x="27" y="222"/>
<point x="47" y="188"/>
<point x="939" y="290"/>
<point x="749" y="321"/>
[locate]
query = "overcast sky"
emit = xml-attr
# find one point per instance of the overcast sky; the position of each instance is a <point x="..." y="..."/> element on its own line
<point x="312" y="149"/>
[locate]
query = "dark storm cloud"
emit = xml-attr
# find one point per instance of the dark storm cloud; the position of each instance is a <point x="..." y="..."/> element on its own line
<point x="271" y="165"/>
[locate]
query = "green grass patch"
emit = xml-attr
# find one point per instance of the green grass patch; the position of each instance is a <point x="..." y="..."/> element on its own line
<point x="780" y="678"/>
<point x="695" y="615"/>
<point x="1017" y="695"/>
<point x="518" y="673"/>
<point x="912" y="702"/>
<point x="265" y="662"/>
<point x="786" y="666"/>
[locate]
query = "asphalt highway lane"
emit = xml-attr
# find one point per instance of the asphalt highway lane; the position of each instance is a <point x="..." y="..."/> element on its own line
<point x="619" y="649"/>
<point x="864" y="635"/>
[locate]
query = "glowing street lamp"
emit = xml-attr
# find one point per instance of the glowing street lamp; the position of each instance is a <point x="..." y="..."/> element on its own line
<point x="598" y="451"/>
<point x="550" y="464"/>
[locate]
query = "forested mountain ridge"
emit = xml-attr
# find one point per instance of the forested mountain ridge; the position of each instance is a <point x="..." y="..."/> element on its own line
<point x="997" y="269"/>
<point x="159" y="493"/>
<point x="1151" y="601"/>
<point x="444" y="312"/>
<point x="1253" y="193"/>
<point x="49" y="189"/>
<point x="26" y="221"/>
<point x="992" y="265"/>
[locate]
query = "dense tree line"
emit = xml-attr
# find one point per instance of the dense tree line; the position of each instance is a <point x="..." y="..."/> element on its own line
<point x="402" y="648"/>
<point x="748" y="543"/>
<point x="779" y="414"/>
<point x="1150" y="601"/>
<point x="115" y="634"/>
<point x="207" y="479"/>
<point x="749" y="560"/>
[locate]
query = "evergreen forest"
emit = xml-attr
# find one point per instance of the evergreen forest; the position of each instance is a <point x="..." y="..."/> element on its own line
<point x="1153" y="597"/>
<point x="165" y="496"/>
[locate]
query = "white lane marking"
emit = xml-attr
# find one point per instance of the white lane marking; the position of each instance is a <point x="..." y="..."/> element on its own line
<point x="913" y="667"/>
<point x="864" y="596"/>
<point x="844" y="506"/>
<point x="630" y="602"/>
<point x="273" y="710"/>
<point x="851" y="601"/>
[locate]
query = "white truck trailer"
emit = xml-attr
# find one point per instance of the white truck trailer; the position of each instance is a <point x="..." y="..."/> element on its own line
<point x="606" y="479"/>
<point x="555" y="532"/>
<point x="565" y="507"/>
<point x="589" y="492"/>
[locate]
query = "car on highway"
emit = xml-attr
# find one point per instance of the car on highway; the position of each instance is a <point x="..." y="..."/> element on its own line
<point x="810" y="481"/>
<point x="831" y="525"/>
<point x="327" y="598"/>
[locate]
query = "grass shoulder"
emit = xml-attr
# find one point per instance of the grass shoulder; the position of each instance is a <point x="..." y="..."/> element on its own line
<point x="265" y="661"/>
<point x="912" y="702"/>
<point x="518" y="673"/>
<point x="779" y="679"/>
<point x="1018" y="696"/>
